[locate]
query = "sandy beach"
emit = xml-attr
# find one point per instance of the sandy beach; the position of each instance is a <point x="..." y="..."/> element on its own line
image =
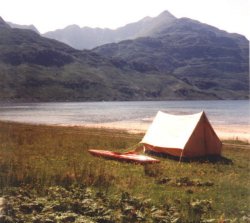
<point x="225" y="132"/>
<point x="239" y="132"/>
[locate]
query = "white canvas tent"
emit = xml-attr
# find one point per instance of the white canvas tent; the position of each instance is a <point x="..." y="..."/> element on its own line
<point x="182" y="135"/>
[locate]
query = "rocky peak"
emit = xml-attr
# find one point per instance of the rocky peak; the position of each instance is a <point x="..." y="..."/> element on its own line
<point x="73" y="27"/>
<point x="3" y="23"/>
<point x="166" y="15"/>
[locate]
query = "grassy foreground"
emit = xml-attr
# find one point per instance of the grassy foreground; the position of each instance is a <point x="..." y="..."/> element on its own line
<point x="47" y="175"/>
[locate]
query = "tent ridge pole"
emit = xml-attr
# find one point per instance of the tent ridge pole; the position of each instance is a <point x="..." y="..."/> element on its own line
<point x="181" y="156"/>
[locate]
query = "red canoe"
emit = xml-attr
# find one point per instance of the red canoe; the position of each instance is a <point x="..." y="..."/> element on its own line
<point x="128" y="157"/>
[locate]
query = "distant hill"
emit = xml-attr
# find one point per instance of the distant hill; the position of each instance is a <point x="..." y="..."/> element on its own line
<point x="200" y="55"/>
<point x="88" y="38"/>
<point x="183" y="59"/>
<point x="31" y="27"/>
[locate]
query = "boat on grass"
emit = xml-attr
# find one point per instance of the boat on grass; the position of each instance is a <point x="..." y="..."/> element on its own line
<point x="126" y="157"/>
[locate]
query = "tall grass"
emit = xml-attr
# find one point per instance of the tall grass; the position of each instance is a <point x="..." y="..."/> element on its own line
<point x="44" y="156"/>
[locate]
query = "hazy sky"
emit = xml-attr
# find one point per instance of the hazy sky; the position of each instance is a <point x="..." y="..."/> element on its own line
<point x="48" y="15"/>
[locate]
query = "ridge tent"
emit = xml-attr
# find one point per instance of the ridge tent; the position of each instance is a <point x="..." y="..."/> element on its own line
<point x="182" y="135"/>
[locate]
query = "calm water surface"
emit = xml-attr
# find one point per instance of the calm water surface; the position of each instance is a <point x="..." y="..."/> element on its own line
<point x="80" y="113"/>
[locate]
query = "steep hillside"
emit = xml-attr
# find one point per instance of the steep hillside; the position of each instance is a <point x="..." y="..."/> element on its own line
<point x="201" y="55"/>
<point x="88" y="38"/>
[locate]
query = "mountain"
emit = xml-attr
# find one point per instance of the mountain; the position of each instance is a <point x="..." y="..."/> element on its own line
<point x="34" y="68"/>
<point x="183" y="59"/>
<point x="3" y="24"/>
<point x="31" y="27"/>
<point x="200" y="55"/>
<point x="88" y="38"/>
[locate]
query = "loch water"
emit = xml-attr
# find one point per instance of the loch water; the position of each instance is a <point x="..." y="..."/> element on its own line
<point x="219" y="112"/>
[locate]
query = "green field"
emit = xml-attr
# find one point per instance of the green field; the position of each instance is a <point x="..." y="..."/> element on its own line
<point x="47" y="175"/>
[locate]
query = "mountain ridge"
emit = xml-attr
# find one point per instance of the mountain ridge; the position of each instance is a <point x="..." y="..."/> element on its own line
<point x="185" y="59"/>
<point x="30" y="27"/>
<point x="197" y="53"/>
<point x="3" y="23"/>
<point x="34" y="68"/>
<point x="88" y="38"/>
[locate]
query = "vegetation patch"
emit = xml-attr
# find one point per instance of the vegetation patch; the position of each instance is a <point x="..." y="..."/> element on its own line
<point x="47" y="175"/>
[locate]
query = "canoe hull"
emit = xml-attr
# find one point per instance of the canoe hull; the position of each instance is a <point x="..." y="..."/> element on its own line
<point x="126" y="157"/>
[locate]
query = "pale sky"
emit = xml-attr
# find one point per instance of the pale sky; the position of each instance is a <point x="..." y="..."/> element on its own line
<point x="48" y="15"/>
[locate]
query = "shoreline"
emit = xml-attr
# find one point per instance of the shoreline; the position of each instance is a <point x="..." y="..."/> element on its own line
<point x="224" y="132"/>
